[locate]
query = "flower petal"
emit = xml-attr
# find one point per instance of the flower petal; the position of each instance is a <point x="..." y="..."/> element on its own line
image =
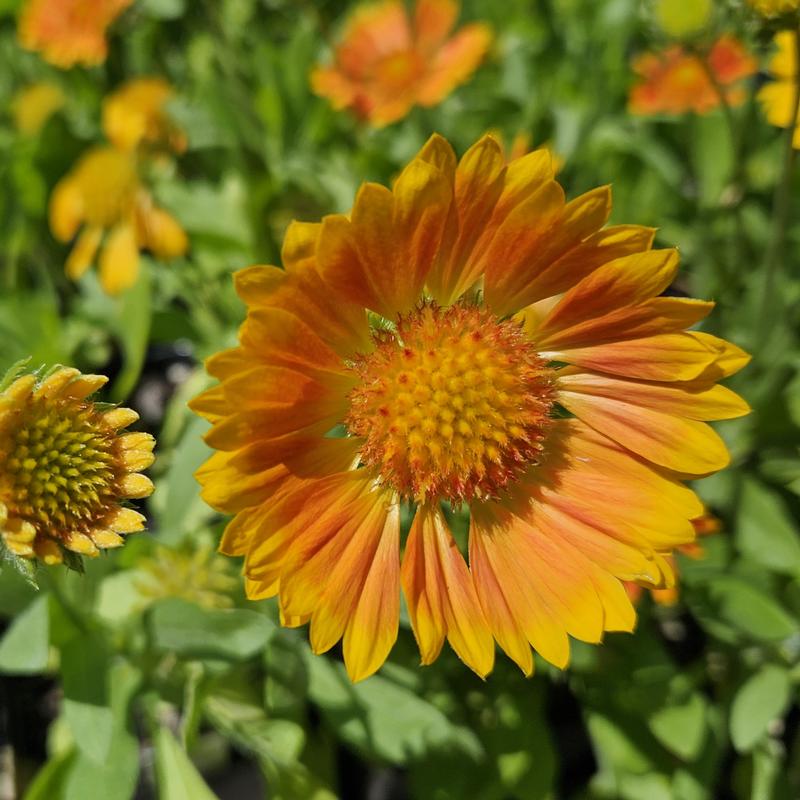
<point x="441" y="597"/>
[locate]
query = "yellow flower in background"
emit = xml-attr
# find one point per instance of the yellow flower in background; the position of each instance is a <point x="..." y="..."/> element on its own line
<point x="680" y="18"/>
<point x="772" y="8"/>
<point x="66" y="469"/>
<point x="68" y="32"/>
<point x="389" y="62"/>
<point x="777" y="96"/>
<point x="34" y="105"/>
<point x="481" y="343"/>
<point x="103" y="194"/>
<point x="199" y="576"/>
<point x="135" y="114"/>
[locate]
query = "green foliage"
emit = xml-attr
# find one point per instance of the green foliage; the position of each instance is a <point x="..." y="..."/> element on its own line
<point x="160" y="695"/>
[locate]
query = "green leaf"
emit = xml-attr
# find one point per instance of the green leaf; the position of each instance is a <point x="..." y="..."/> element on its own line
<point x="50" y="780"/>
<point x="277" y="743"/>
<point x="762" y="698"/>
<point x="616" y="748"/>
<point x="765" y="532"/>
<point x="24" y="647"/>
<point x="713" y="156"/>
<point x="164" y="9"/>
<point x="750" y="610"/>
<point x="132" y="326"/>
<point x="178" y="778"/>
<point x="681" y="728"/>
<point x="182" y="508"/>
<point x="286" y="685"/>
<point x="84" y="668"/>
<point x="114" y="778"/>
<point x="188" y="630"/>
<point x="381" y="718"/>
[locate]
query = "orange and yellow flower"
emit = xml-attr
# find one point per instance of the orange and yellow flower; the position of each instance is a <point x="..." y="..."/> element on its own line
<point x="103" y="194"/>
<point x="388" y="62"/>
<point x="772" y="8"/>
<point x="135" y="114"/>
<point x="34" y="105"/>
<point x="68" y="32"/>
<point x="777" y="97"/>
<point x="677" y="81"/>
<point x="66" y="468"/>
<point x="467" y="339"/>
<point x="703" y="526"/>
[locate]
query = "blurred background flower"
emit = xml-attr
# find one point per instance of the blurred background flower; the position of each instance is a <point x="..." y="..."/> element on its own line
<point x="103" y="198"/>
<point x="676" y="81"/>
<point x="135" y="114"/>
<point x="34" y="105"/>
<point x="388" y="62"/>
<point x="69" y="32"/>
<point x="193" y="573"/>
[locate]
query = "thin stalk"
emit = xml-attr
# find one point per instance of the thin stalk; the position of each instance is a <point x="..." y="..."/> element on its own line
<point x="781" y="207"/>
<point x="736" y="134"/>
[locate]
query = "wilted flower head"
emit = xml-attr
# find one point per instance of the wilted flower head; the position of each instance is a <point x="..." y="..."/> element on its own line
<point x="198" y="575"/>
<point x="773" y="8"/>
<point x="677" y="81"/>
<point x="465" y="340"/>
<point x="66" y="468"/>
<point x="387" y="62"/>
<point x="135" y="114"/>
<point x="103" y="194"/>
<point x="34" y="105"/>
<point x="68" y="32"/>
<point x="777" y="96"/>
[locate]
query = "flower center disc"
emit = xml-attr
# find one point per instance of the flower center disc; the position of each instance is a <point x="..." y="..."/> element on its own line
<point x="453" y="406"/>
<point x="59" y="466"/>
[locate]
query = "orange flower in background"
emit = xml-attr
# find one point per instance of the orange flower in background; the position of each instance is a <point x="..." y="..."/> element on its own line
<point x="135" y="114"/>
<point x="777" y="97"/>
<point x="387" y="62"/>
<point x="466" y="339"/>
<point x="104" y="195"/>
<point x="704" y="526"/>
<point x="676" y="81"/>
<point x="34" y="105"/>
<point x="68" y="32"/>
<point x="66" y="468"/>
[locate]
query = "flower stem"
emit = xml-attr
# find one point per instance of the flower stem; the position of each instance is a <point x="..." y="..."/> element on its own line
<point x="768" y="312"/>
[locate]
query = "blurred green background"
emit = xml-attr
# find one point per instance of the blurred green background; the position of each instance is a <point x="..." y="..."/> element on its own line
<point x="121" y="683"/>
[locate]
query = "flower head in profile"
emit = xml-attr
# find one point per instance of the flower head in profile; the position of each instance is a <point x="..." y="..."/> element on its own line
<point x="68" y="32"/>
<point x="135" y="114"/>
<point x="388" y="62"/>
<point x="34" y="105"/>
<point x="104" y="198"/>
<point x="777" y="96"/>
<point x="668" y="595"/>
<point x="66" y="467"/>
<point x="198" y="575"/>
<point x="774" y="8"/>
<point x="466" y="341"/>
<point x="677" y="81"/>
